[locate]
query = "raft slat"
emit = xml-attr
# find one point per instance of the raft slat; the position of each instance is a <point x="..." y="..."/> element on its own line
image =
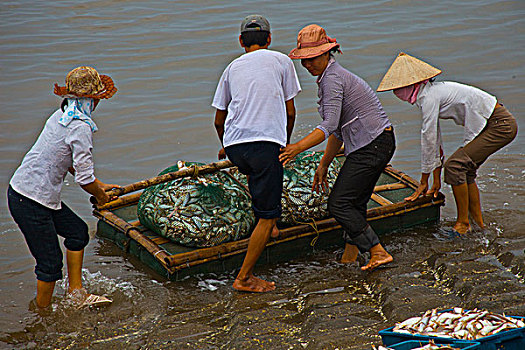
<point x="240" y="245"/>
<point x="389" y="187"/>
<point x="190" y="171"/>
<point x="160" y="240"/>
<point x="404" y="207"/>
<point x="380" y="199"/>
<point x="401" y="176"/>
<point x="120" y="202"/>
<point x="159" y="253"/>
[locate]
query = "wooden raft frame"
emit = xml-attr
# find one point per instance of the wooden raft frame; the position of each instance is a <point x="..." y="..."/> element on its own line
<point x="173" y="263"/>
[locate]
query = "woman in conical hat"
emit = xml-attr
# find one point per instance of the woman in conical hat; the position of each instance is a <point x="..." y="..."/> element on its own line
<point x="351" y="114"/>
<point x="64" y="145"/>
<point x="488" y="126"/>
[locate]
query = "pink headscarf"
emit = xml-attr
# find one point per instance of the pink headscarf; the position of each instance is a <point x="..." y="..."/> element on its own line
<point x="409" y="93"/>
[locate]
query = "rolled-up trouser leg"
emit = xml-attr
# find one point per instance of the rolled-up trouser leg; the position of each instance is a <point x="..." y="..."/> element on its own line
<point x="364" y="240"/>
<point x="457" y="166"/>
<point x="354" y="187"/>
<point x="348" y="239"/>
<point x="462" y="165"/>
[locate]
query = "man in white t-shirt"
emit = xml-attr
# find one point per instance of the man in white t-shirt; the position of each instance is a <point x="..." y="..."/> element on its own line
<point x="254" y="119"/>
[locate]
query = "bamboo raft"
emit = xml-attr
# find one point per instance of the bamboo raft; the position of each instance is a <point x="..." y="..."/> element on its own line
<point x="387" y="212"/>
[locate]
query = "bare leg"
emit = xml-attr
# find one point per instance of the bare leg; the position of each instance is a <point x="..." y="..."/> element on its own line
<point x="378" y="256"/>
<point x="350" y="254"/>
<point x="461" y="195"/>
<point x="44" y="293"/>
<point x="44" y="290"/>
<point x="74" y="261"/>
<point x="245" y="280"/>
<point x="474" y="204"/>
<point x="275" y="232"/>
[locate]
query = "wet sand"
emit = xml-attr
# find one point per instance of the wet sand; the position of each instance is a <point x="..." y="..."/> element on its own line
<point x="319" y="303"/>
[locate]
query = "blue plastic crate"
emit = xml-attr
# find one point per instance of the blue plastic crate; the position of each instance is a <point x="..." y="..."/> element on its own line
<point x="412" y="344"/>
<point x="506" y="340"/>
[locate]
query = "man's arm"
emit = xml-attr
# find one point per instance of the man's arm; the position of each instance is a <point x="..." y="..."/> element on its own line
<point x="220" y="119"/>
<point x="290" y="119"/>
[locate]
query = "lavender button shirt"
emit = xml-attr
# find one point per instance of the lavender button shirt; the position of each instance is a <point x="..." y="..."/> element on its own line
<point x="349" y="107"/>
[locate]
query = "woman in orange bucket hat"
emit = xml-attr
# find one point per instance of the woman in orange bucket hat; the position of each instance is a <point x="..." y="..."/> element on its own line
<point x="353" y="115"/>
<point x="64" y="145"/>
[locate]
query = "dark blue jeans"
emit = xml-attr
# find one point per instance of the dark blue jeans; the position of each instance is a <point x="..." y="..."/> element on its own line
<point x="41" y="227"/>
<point x="354" y="187"/>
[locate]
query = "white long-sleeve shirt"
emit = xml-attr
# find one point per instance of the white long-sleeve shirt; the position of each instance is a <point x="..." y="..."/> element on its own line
<point x="59" y="147"/>
<point x="466" y="105"/>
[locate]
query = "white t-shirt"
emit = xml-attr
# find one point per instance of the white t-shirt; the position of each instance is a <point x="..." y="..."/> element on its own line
<point x="468" y="106"/>
<point x="254" y="88"/>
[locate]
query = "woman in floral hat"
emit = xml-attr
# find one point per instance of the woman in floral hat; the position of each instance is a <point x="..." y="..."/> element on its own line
<point x="353" y="115"/>
<point x="487" y="127"/>
<point x="65" y="144"/>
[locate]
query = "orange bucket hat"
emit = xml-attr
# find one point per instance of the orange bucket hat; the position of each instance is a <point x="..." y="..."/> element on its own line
<point x="86" y="82"/>
<point x="312" y="41"/>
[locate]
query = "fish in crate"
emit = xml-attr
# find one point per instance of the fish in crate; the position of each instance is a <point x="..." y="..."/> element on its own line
<point x="459" y="324"/>
<point x="430" y="345"/>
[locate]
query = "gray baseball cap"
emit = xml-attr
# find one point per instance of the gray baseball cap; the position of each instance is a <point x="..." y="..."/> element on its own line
<point x="255" y="23"/>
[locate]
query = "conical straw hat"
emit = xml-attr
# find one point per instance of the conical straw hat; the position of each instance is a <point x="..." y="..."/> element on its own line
<point x="406" y="70"/>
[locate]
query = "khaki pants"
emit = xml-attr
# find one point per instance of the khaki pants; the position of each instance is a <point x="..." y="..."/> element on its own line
<point x="500" y="130"/>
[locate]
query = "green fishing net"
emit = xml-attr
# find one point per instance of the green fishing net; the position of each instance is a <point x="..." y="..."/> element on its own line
<point x="201" y="211"/>
<point x="211" y="209"/>
<point x="299" y="203"/>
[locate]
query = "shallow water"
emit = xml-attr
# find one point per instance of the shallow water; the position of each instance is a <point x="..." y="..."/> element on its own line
<point x="166" y="58"/>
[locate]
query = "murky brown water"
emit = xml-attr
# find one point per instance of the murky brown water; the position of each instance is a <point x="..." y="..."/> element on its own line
<point x="166" y="58"/>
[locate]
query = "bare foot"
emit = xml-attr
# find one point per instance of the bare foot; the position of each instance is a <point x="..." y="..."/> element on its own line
<point x="461" y="228"/>
<point x="378" y="256"/>
<point x="476" y="227"/>
<point x="275" y="232"/>
<point x="253" y="284"/>
<point x="350" y="254"/>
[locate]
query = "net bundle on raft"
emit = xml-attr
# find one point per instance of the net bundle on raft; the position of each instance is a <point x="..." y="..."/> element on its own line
<point x="299" y="203"/>
<point x="200" y="211"/>
<point x="207" y="210"/>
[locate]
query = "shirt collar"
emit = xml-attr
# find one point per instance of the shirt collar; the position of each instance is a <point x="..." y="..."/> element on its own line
<point x="422" y="92"/>
<point x="80" y="109"/>
<point x="330" y="62"/>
